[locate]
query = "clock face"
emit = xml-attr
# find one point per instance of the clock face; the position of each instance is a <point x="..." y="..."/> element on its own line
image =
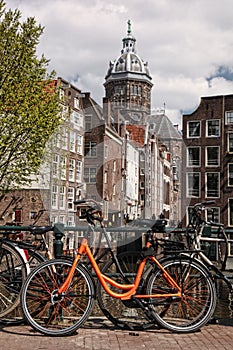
<point x="136" y="117"/>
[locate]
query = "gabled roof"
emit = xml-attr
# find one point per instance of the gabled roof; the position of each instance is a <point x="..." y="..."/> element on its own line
<point x="163" y="127"/>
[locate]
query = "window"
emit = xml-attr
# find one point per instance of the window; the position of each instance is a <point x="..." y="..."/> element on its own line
<point x="90" y="149"/>
<point x="55" y="165"/>
<point x="114" y="190"/>
<point x="79" y="144"/>
<point x="62" y="197"/>
<point x="62" y="94"/>
<point x="230" y="174"/>
<point x="90" y="175"/>
<point x="79" y="171"/>
<point x="193" y="156"/>
<point x="71" y="169"/>
<point x="71" y="198"/>
<point x="70" y="221"/>
<point x="230" y="211"/>
<point x="230" y="142"/>
<point x="76" y="103"/>
<point x="229" y="117"/>
<point x="62" y="219"/>
<point x="54" y="197"/>
<point x="212" y="156"/>
<point x="77" y="119"/>
<point x="142" y="184"/>
<point x="32" y="215"/>
<point x="63" y="167"/>
<point x="105" y="177"/>
<point x="19" y="216"/>
<point x="193" y="184"/>
<point x="212" y="185"/>
<point x="194" y="129"/>
<point x="114" y="165"/>
<point x="105" y="151"/>
<point x="72" y="141"/>
<point x="88" y="122"/>
<point x="64" y="139"/>
<point x="213" y="214"/>
<point x="54" y="219"/>
<point x="213" y="127"/>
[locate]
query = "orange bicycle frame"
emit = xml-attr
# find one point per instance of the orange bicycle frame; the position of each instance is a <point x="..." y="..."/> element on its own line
<point x="130" y="289"/>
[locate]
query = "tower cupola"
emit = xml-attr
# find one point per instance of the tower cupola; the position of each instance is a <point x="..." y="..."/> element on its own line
<point x="128" y="82"/>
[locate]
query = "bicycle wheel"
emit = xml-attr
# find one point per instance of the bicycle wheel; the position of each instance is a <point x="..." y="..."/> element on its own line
<point x="12" y="275"/>
<point x="197" y="304"/>
<point x="124" y="314"/>
<point x="50" y="313"/>
<point x="15" y="316"/>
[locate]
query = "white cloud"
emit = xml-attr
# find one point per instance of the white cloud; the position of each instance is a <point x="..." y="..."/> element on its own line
<point x="184" y="42"/>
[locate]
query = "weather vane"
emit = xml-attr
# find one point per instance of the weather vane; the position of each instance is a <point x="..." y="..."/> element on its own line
<point x="129" y="27"/>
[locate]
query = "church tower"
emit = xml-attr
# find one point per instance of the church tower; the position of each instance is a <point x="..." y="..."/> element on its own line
<point x="128" y="83"/>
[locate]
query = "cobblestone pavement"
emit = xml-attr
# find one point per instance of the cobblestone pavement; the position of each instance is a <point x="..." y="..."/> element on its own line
<point x="98" y="334"/>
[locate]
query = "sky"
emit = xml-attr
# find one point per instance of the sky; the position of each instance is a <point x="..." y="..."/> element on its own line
<point x="188" y="45"/>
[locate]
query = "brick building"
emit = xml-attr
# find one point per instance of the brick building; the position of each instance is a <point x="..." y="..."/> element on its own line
<point x="208" y="157"/>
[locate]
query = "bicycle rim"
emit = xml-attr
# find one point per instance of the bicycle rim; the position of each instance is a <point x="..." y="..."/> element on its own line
<point x="62" y="315"/>
<point x="16" y="316"/>
<point x="123" y="314"/>
<point x="12" y="275"/>
<point x="197" y="304"/>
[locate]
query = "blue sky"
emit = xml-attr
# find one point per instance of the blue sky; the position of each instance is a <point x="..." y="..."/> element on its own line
<point x="188" y="44"/>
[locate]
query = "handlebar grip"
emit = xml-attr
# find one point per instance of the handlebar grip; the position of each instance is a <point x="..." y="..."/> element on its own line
<point x="208" y="202"/>
<point x="81" y="201"/>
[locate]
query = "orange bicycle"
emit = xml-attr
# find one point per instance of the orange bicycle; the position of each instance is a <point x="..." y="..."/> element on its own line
<point x="176" y="292"/>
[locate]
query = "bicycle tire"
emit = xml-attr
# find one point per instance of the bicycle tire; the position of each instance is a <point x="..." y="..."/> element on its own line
<point x="15" y="316"/>
<point x="197" y="305"/>
<point x="56" y="315"/>
<point x="123" y="314"/>
<point x="12" y="275"/>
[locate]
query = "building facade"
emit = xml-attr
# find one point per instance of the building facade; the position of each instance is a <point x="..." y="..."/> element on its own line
<point x="208" y="157"/>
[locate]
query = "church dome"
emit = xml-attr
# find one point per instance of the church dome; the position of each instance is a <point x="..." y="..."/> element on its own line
<point x="129" y="61"/>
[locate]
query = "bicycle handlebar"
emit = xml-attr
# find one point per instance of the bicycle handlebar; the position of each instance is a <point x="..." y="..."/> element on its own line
<point x="203" y="204"/>
<point x="93" y="211"/>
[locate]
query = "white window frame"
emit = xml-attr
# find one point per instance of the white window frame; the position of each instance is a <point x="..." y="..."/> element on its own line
<point x="207" y="129"/>
<point x="79" y="144"/>
<point x="216" y="214"/>
<point x="55" y="165"/>
<point x="230" y="214"/>
<point x="228" y="142"/>
<point x="70" y="198"/>
<point x="206" y="184"/>
<point x="72" y="141"/>
<point x="206" y="157"/>
<point x="88" y="175"/>
<point x="62" y="197"/>
<point x="64" y="139"/>
<point x="63" y="167"/>
<point x="88" y="122"/>
<point x="71" y="169"/>
<point x="188" y="189"/>
<point x="228" y="174"/>
<point x="114" y="165"/>
<point x="54" y="199"/>
<point x="79" y="171"/>
<point x="188" y="133"/>
<point x="71" y="220"/>
<point x="189" y="161"/>
<point x="228" y="114"/>
<point x="76" y="102"/>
